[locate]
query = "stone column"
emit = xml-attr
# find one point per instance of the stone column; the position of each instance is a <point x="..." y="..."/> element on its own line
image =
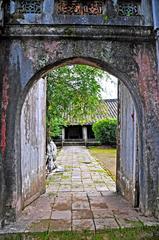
<point x="63" y="135"/>
<point x="155" y="9"/>
<point x="84" y="131"/>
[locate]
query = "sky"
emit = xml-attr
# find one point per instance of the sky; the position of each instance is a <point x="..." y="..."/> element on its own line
<point x="109" y="87"/>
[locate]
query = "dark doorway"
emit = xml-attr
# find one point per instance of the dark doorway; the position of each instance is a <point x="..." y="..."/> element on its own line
<point x="90" y="132"/>
<point x="73" y="132"/>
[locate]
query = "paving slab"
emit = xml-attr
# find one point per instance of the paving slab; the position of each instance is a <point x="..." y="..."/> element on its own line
<point x="97" y="202"/>
<point x="83" y="197"/>
<point x="80" y="205"/>
<point x="105" y="223"/>
<point x="82" y="214"/>
<point x="102" y="213"/>
<point x="38" y="226"/>
<point x="62" y="205"/>
<point x="59" y="225"/>
<point x="63" y="215"/>
<point x="83" y="224"/>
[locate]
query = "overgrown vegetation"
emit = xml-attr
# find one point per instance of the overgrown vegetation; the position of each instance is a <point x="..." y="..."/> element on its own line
<point x="105" y="131"/>
<point x="139" y="233"/>
<point x="74" y="91"/>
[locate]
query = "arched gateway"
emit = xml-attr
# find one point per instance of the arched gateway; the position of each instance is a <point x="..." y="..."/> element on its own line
<point x="117" y="36"/>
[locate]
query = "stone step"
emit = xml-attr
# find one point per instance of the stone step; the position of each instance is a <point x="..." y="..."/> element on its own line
<point x="75" y="143"/>
<point x="74" y="140"/>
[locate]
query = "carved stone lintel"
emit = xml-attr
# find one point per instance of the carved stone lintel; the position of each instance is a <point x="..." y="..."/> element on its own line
<point x="81" y="32"/>
<point x="78" y="7"/>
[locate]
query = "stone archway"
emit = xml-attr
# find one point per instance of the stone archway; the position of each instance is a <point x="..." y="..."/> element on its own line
<point x="134" y="64"/>
<point x="74" y="60"/>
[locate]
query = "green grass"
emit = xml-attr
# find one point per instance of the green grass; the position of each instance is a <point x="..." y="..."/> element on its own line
<point x="51" y="179"/>
<point x="52" y="194"/>
<point x="139" y="233"/>
<point x="68" y="167"/>
<point x="98" y="181"/>
<point x="107" y="159"/>
<point x="65" y="177"/>
<point x="102" y="149"/>
<point x="111" y="175"/>
<point x="99" y="171"/>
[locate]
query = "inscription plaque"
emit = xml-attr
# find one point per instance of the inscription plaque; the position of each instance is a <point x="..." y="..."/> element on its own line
<point x="77" y="7"/>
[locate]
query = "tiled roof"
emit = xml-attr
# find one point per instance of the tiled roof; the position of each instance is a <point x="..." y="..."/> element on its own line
<point x="107" y="109"/>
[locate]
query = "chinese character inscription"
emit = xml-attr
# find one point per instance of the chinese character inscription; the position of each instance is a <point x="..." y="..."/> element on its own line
<point x="78" y="7"/>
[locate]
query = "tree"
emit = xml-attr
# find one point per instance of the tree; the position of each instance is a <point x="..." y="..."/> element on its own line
<point x="74" y="91"/>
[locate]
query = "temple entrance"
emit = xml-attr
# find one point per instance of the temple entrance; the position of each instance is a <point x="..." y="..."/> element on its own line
<point x="33" y="143"/>
<point x="29" y="57"/>
<point x="84" y="190"/>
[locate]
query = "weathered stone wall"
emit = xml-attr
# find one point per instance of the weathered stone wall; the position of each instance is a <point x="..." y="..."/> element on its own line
<point x="127" y="161"/>
<point x="134" y="64"/>
<point x="3" y="129"/>
<point x="28" y="51"/>
<point x="33" y="143"/>
<point x="47" y="12"/>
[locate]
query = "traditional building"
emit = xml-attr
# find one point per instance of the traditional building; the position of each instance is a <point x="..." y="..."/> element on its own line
<point x="82" y="134"/>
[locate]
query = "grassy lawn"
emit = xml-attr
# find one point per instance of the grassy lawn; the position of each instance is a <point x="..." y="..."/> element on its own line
<point x="142" y="233"/>
<point x="106" y="157"/>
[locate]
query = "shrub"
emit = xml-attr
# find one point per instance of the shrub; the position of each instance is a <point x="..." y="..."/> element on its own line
<point x="105" y="131"/>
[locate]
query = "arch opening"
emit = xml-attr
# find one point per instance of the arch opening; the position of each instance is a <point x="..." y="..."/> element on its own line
<point x="134" y="101"/>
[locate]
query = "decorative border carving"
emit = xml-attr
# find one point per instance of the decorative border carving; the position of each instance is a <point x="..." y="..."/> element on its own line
<point x="79" y="7"/>
<point x="29" y="6"/>
<point x="128" y="9"/>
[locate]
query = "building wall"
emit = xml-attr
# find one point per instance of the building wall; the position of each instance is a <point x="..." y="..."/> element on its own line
<point x="127" y="147"/>
<point x="33" y="142"/>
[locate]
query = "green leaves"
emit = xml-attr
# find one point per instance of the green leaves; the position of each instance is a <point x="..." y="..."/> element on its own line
<point x="71" y="91"/>
<point x="105" y="131"/>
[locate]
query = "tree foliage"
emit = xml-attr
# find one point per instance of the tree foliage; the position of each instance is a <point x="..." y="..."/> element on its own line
<point x="105" y="131"/>
<point x="74" y="91"/>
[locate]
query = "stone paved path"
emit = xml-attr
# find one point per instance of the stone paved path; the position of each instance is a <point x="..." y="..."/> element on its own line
<point x="83" y="197"/>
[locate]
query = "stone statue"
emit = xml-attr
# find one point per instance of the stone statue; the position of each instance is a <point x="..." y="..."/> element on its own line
<point x="51" y="158"/>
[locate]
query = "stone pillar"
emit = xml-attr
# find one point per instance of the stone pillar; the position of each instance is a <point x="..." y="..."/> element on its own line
<point x="84" y="132"/>
<point x="63" y="135"/>
<point x="146" y="11"/>
<point x="155" y="9"/>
